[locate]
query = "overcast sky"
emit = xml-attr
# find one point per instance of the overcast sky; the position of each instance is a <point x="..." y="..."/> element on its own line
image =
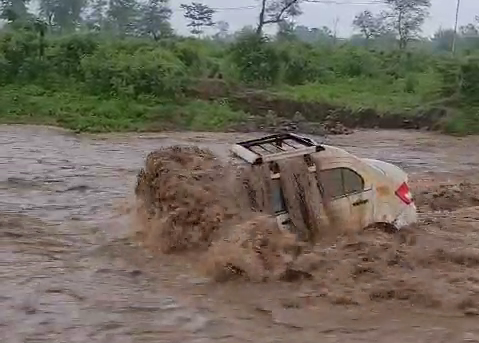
<point x="341" y="12"/>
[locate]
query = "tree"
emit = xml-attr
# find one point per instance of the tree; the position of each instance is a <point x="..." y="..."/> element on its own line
<point x="123" y="16"/>
<point x="469" y="35"/>
<point x="40" y="27"/>
<point x="245" y="31"/>
<point x="322" y="35"/>
<point x="68" y="14"/>
<point x="96" y="18"/>
<point x="443" y="39"/>
<point x="286" y="30"/>
<point x="47" y="11"/>
<point x="369" y="25"/>
<point x="155" y="18"/>
<point x="469" y="30"/>
<point x="199" y="16"/>
<point x="277" y="11"/>
<point x="223" y="28"/>
<point x="63" y="14"/>
<point x="406" y="18"/>
<point x="12" y="10"/>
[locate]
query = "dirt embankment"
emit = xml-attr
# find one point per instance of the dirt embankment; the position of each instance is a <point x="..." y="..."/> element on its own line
<point x="191" y="201"/>
<point x="271" y="113"/>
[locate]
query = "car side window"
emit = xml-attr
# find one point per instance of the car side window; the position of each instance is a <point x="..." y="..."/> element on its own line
<point x="332" y="182"/>
<point x="339" y="182"/>
<point x="353" y="182"/>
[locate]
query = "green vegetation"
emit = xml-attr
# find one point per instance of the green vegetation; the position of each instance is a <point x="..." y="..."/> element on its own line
<point x="81" y="112"/>
<point x="102" y="74"/>
<point x="363" y="92"/>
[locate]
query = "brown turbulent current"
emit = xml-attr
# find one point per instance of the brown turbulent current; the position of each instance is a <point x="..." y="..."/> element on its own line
<point x="70" y="271"/>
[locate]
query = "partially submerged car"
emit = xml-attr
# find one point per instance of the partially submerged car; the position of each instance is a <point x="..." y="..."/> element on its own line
<point x="359" y="192"/>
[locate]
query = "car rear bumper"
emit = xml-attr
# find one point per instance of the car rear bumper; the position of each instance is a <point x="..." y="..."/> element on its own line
<point x="407" y="217"/>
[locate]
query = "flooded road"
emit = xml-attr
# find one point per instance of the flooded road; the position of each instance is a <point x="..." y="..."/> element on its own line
<point x="68" y="273"/>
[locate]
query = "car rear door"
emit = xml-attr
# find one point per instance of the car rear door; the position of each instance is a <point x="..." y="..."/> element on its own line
<point x="337" y="209"/>
<point x="360" y="195"/>
<point x="347" y="195"/>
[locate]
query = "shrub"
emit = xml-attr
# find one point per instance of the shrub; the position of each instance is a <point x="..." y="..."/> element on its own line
<point x="449" y="72"/>
<point x="256" y="60"/>
<point x="300" y="63"/>
<point x="348" y="61"/>
<point x="66" y="53"/>
<point x="157" y="72"/>
<point x="470" y="79"/>
<point x="19" y="53"/>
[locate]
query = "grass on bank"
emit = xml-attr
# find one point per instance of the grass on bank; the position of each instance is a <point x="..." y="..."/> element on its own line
<point x="406" y="96"/>
<point x="381" y="94"/>
<point x="462" y="122"/>
<point x="86" y="113"/>
<point x="78" y="112"/>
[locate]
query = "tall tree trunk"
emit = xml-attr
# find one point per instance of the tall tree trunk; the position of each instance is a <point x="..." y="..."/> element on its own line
<point x="259" y="29"/>
<point x="400" y="30"/>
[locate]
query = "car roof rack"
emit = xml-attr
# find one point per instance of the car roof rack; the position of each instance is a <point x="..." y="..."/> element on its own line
<point x="275" y="147"/>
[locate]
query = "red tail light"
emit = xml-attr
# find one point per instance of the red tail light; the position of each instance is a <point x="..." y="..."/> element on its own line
<point x="404" y="194"/>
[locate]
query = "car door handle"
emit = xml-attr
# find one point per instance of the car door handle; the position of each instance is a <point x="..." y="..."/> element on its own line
<point x="360" y="202"/>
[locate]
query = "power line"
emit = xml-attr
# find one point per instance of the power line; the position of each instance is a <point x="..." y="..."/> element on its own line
<point x="220" y="9"/>
<point x="326" y="2"/>
<point x="336" y="2"/>
<point x="234" y="8"/>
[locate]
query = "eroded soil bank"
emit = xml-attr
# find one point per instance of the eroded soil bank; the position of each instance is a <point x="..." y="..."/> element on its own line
<point x="271" y="112"/>
<point x="71" y="272"/>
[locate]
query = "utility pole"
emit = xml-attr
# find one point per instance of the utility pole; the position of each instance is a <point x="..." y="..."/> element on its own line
<point x="455" y="27"/>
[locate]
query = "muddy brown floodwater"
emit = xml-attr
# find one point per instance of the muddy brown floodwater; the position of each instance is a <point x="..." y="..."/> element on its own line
<point x="69" y="272"/>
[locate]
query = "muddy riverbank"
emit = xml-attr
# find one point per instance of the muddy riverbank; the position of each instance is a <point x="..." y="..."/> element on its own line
<point x="270" y="111"/>
<point x="69" y="271"/>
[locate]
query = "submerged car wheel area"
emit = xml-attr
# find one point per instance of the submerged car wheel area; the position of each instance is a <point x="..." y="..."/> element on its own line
<point x="354" y="192"/>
